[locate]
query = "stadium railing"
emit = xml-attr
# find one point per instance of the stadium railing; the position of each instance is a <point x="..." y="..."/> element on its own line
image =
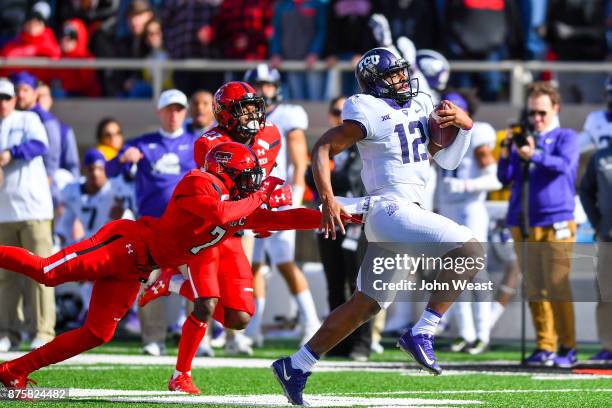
<point x="520" y="71"/>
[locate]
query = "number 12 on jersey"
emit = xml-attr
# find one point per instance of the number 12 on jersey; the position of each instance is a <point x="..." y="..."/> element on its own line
<point x="403" y="138"/>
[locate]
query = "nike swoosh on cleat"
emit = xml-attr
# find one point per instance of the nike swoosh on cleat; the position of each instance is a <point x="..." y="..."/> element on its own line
<point x="427" y="360"/>
<point x="285" y="376"/>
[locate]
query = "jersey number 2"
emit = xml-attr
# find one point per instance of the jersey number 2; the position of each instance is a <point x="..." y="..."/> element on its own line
<point x="217" y="233"/>
<point x="420" y="139"/>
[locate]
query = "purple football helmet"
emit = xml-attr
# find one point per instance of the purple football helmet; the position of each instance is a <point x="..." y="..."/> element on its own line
<point x="435" y="68"/>
<point x="373" y="69"/>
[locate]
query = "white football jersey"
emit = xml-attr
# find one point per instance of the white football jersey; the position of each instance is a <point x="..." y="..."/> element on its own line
<point x="597" y="129"/>
<point x="287" y="118"/>
<point x="93" y="211"/>
<point x="482" y="134"/>
<point x="394" y="150"/>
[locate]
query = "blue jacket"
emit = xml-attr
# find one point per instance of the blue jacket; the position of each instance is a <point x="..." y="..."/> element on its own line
<point x="165" y="162"/>
<point x="552" y="176"/>
<point x="53" y="128"/>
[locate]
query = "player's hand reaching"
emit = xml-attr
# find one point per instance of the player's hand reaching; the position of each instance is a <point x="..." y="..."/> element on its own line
<point x="270" y="184"/>
<point x="452" y="115"/>
<point x="280" y="197"/>
<point x="333" y="214"/>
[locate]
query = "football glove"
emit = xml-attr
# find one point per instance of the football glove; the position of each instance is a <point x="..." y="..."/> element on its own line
<point x="280" y="197"/>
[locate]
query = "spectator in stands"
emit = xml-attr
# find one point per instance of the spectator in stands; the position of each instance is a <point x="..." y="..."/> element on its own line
<point x="160" y="159"/>
<point x="485" y="31"/>
<point x="130" y="83"/>
<point x="545" y="168"/>
<point x="241" y="29"/>
<point x="597" y="129"/>
<point x="533" y="17"/>
<point x="202" y="117"/>
<point x="69" y="154"/>
<point x="100" y="18"/>
<point x="26" y="211"/>
<point x="187" y="34"/>
<point x="299" y="34"/>
<point x="12" y="16"/>
<point x="153" y="48"/>
<point x="34" y="40"/>
<point x="341" y="258"/>
<point x="25" y="86"/>
<point x="76" y="81"/>
<point x="596" y="197"/>
<point x="417" y="20"/>
<point x="109" y="137"/>
<point x="576" y="31"/>
<point x="348" y="35"/>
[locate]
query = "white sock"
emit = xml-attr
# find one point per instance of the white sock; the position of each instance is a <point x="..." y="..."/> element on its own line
<point x="176" y="282"/>
<point x="254" y="327"/>
<point x="307" y="308"/>
<point x="427" y="323"/>
<point x="177" y="373"/>
<point x="304" y="359"/>
<point x="497" y="309"/>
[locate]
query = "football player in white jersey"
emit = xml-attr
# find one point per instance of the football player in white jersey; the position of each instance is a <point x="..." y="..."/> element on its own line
<point x="389" y="124"/>
<point x="94" y="201"/>
<point x="291" y="164"/>
<point x="597" y="130"/>
<point x="461" y="197"/>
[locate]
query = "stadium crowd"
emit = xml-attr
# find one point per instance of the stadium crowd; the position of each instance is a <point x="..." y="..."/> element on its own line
<point x="121" y="178"/>
<point x="310" y="31"/>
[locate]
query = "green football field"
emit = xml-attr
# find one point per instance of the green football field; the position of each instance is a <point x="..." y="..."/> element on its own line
<point x="117" y="375"/>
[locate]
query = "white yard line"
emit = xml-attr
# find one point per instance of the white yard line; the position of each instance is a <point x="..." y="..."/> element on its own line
<point x="552" y="390"/>
<point x="258" y="400"/>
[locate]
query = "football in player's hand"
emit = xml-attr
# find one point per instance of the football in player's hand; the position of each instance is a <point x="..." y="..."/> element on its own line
<point x="440" y="137"/>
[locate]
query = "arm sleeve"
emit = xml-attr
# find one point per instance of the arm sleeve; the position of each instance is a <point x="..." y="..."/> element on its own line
<point x="353" y="112"/>
<point x="566" y="159"/>
<point x="70" y="153"/>
<point x="588" y="194"/>
<point x="487" y="181"/>
<point x="505" y="169"/>
<point x="294" y="219"/>
<point x="28" y="150"/>
<point x="450" y="157"/>
<point x="114" y="167"/>
<point x="219" y="212"/>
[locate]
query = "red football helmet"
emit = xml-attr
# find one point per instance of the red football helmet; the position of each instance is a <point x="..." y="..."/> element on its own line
<point x="236" y="165"/>
<point x="236" y="99"/>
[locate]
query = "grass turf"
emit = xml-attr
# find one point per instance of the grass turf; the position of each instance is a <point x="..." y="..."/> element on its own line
<point x="253" y="381"/>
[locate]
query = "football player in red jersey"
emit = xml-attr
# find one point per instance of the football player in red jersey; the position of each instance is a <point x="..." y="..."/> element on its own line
<point x="208" y="205"/>
<point x="222" y="282"/>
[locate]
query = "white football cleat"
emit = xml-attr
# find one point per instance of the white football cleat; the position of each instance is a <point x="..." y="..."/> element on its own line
<point x="240" y="344"/>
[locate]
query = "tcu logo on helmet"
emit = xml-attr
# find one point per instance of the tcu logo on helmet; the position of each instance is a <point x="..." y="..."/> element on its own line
<point x="223" y="157"/>
<point x="369" y="60"/>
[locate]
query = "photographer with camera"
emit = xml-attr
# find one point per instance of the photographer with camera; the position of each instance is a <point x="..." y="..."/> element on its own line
<point x="540" y="159"/>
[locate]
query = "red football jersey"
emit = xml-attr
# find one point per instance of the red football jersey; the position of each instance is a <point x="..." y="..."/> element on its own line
<point x="266" y="144"/>
<point x="199" y="216"/>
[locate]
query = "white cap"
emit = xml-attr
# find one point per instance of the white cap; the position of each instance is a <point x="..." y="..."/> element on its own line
<point x="7" y="88"/>
<point x="172" y="96"/>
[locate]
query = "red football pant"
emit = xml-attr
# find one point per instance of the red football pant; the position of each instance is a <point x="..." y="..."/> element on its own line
<point x="224" y="272"/>
<point x="114" y="259"/>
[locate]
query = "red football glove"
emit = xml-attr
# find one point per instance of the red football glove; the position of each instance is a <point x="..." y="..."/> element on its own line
<point x="280" y="197"/>
<point x="270" y="184"/>
<point x="262" y="233"/>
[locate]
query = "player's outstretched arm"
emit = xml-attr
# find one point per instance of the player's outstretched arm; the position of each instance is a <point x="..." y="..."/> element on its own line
<point x="294" y="219"/>
<point x="331" y="143"/>
<point x="220" y="212"/>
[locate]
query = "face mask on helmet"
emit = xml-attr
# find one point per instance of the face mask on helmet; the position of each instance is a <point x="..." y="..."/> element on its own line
<point x="385" y="75"/>
<point x="250" y="117"/>
<point x="246" y="182"/>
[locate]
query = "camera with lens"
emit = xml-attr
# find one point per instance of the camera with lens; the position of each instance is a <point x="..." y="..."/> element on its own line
<point x="520" y="131"/>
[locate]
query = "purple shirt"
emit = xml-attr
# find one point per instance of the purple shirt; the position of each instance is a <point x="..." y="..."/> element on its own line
<point x="165" y="162"/>
<point x="552" y="176"/>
